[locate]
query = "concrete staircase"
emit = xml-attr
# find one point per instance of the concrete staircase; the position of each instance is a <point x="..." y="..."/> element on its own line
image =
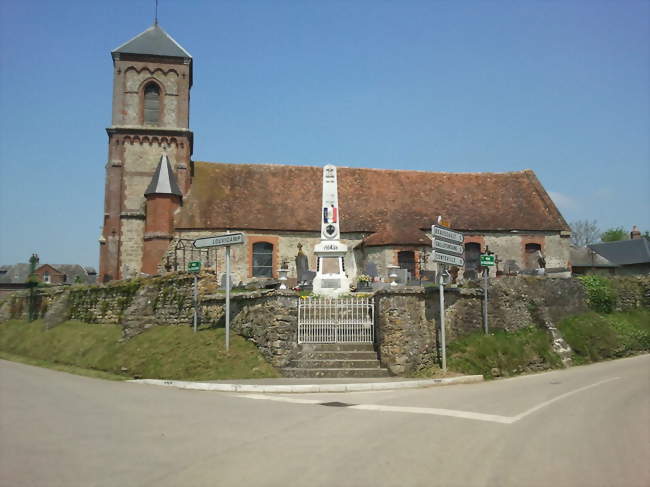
<point x="332" y="360"/>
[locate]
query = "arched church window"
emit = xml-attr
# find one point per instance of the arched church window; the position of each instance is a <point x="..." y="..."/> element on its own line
<point x="152" y="103"/>
<point x="406" y="260"/>
<point x="472" y="260"/>
<point x="262" y="259"/>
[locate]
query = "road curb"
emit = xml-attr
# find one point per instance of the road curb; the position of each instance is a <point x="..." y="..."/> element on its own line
<point x="303" y="388"/>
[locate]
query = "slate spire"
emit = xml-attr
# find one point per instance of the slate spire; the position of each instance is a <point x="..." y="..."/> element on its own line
<point x="153" y="41"/>
<point x="163" y="180"/>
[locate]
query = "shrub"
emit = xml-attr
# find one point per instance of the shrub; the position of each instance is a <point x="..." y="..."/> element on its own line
<point x="601" y="295"/>
<point x="595" y="337"/>
<point x="511" y="353"/>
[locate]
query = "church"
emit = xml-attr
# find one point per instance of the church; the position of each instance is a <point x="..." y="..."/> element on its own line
<point x="158" y="199"/>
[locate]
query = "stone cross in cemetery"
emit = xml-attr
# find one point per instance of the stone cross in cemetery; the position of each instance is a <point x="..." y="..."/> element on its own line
<point x="330" y="277"/>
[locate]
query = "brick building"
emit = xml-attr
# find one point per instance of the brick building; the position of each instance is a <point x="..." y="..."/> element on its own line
<point x="158" y="199"/>
<point x="15" y="277"/>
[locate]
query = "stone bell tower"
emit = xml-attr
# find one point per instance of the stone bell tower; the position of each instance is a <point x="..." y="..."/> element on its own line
<point x="152" y="78"/>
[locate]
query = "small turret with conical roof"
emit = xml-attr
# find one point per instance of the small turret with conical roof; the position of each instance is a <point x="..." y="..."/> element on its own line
<point x="163" y="198"/>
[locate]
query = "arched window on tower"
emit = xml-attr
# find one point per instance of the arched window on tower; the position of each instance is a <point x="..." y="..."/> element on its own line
<point x="152" y="104"/>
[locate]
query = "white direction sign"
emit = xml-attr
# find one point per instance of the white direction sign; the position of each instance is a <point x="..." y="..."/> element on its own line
<point x="219" y="240"/>
<point x="447" y="247"/>
<point x="448" y="259"/>
<point x="446" y="233"/>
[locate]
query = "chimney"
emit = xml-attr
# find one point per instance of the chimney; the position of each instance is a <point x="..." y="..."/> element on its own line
<point x="635" y="233"/>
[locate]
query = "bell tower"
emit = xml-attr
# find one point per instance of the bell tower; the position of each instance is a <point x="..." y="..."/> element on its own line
<point x="152" y="78"/>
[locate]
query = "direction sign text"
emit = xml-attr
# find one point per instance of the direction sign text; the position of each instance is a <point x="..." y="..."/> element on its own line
<point x="219" y="240"/>
<point x="448" y="259"/>
<point x="448" y="234"/>
<point x="487" y="259"/>
<point x="447" y="247"/>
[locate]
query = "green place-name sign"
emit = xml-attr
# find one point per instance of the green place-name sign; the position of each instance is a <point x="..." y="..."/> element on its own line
<point x="194" y="266"/>
<point x="487" y="259"/>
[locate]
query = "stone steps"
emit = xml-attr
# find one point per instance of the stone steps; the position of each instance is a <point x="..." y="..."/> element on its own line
<point x="336" y="360"/>
<point x="335" y="373"/>
<point x="339" y="355"/>
<point x="337" y="347"/>
<point x="335" y="364"/>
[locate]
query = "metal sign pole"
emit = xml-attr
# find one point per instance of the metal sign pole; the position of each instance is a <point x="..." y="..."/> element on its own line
<point x="442" y="317"/>
<point x="196" y="301"/>
<point x="227" y="298"/>
<point x="485" y="299"/>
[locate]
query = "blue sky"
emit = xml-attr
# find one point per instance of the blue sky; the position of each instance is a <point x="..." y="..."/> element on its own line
<point x="558" y="87"/>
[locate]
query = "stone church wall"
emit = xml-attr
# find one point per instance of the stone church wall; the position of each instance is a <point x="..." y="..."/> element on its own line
<point x="509" y="248"/>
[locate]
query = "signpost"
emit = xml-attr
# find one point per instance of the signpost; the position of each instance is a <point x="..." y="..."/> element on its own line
<point x="223" y="241"/>
<point x="487" y="260"/>
<point x="447" y="250"/>
<point x="219" y="241"/>
<point x="194" y="267"/>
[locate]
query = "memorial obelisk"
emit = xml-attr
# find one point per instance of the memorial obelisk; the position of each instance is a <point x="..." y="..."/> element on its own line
<point x="330" y="277"/>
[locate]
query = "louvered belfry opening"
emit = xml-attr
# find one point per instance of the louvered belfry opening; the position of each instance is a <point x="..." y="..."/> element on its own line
<point x="152" y="104"/>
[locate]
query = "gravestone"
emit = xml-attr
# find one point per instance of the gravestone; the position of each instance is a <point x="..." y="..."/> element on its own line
<point x="302" y="266"/>
<point x="402" y="276"/>
<point x="371" y="270"/>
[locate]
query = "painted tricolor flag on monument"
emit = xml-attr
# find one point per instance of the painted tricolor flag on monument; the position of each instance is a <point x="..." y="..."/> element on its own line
<point x="330" y="215"/>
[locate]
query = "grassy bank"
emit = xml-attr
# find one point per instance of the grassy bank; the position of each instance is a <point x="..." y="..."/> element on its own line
<point x="502" y="353"/>
<point x="594" y="336"/>
<point x="165" y="352"/>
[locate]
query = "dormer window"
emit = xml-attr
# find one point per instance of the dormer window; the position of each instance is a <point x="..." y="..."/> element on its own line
<point x="152" y="104"/>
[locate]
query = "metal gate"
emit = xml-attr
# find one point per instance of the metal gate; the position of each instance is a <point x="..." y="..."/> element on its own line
<point x="336" y="320"/>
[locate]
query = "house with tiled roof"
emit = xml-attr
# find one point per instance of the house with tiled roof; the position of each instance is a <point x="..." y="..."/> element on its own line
<point x="158" y="199"/>
<point x="15" y="277"/>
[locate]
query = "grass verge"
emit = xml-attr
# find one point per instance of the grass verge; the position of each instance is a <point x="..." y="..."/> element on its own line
<point x="503" y="353"/>
<point x="164" y="352"/>
<point x="595" y="337"/>
<point x="70" y="369"/>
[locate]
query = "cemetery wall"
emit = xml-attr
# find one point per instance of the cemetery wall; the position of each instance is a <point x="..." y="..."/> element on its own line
<point x="406" y="319"/>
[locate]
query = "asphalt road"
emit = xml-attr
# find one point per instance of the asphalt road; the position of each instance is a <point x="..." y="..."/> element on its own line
<point x="586" y="426"/>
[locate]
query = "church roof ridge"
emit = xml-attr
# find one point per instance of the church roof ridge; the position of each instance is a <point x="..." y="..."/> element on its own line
<point x="423" y="171"/>
<point x="155" y="41"/>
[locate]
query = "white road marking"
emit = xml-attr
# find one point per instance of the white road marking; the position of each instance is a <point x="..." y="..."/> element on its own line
<point x="560" y="397"/>
<point x="492" y="418"/>
<point x="281" y="399"/>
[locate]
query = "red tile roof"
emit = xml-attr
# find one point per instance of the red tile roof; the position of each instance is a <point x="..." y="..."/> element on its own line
<point x="395" y="203"/>
<point x="397" y="234"/>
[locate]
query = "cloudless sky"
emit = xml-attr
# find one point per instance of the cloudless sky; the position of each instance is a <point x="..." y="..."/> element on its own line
<point x="560" y="87"/>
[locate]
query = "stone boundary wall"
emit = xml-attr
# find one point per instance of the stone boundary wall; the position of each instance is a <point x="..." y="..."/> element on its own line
<point x="407" y="319"/>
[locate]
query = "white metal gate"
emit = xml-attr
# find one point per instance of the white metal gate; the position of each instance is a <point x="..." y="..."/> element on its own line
<point x="336" y="320"/>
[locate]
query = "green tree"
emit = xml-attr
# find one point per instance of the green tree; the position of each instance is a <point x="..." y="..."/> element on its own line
<point x="614" y="234"/>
